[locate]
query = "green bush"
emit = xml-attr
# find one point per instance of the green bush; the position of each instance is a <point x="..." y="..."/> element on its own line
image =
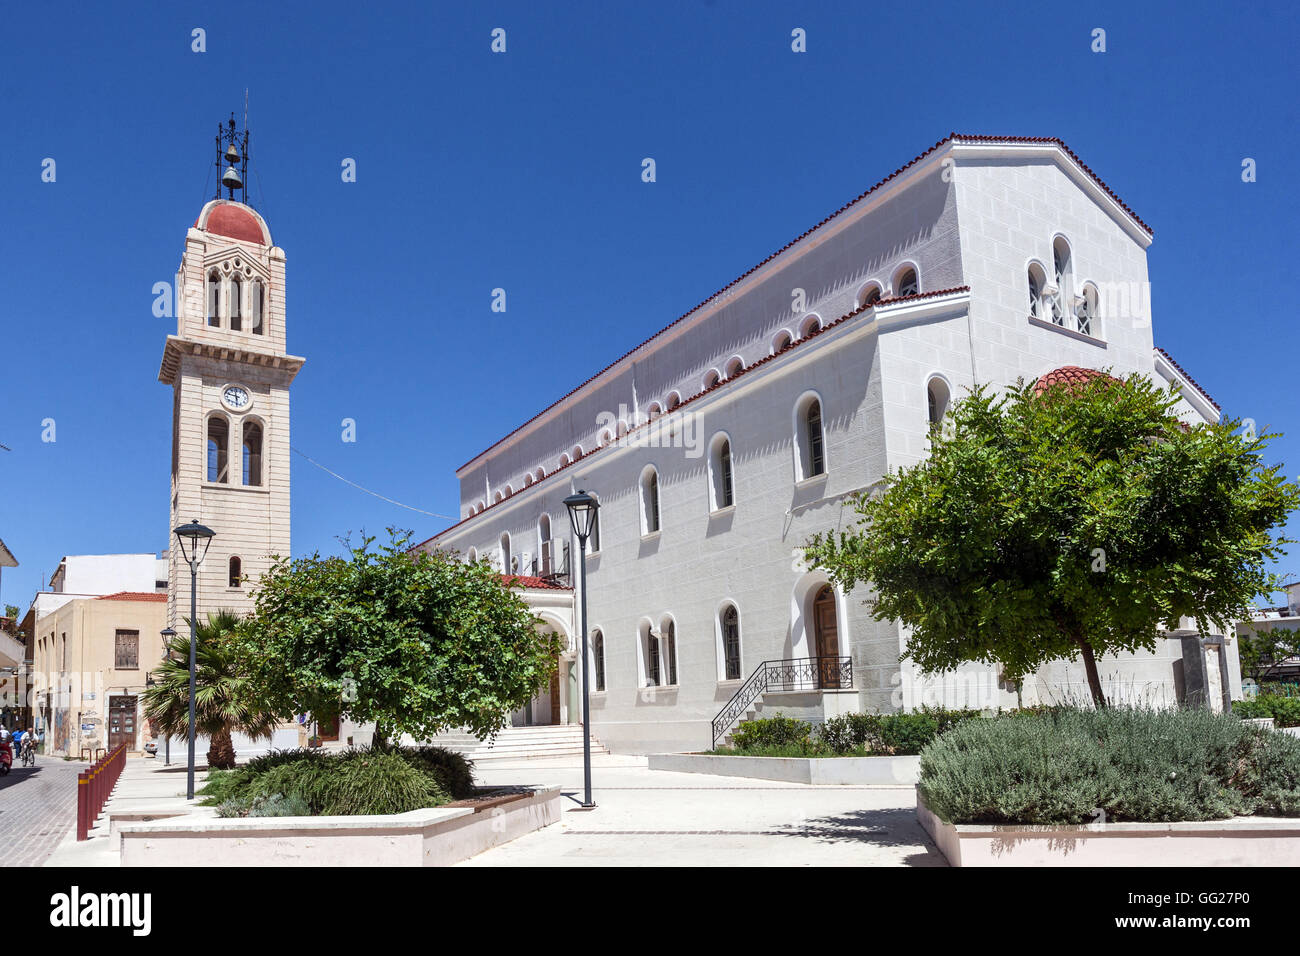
<point x="1284" y="710"/>
<point x="279" y="806"/>
<point x="888" y="733"/>
<point x="365" y="780"/>
<point x="1072" y="766"/>
<point x="454" y="771"/>
<point x="907" y="733"/>
<point x="767" y="732"/>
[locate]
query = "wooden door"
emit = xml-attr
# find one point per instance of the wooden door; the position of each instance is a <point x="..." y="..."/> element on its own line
<point x="121" y="722"/>
<point x="828" y="638"/>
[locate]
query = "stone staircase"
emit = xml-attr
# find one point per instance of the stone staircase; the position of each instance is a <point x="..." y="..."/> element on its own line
<point x="515" y="743"/>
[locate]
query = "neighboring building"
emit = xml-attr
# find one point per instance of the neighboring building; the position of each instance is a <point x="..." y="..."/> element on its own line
<point x="93" y="657"/>
<point x="721" y="443"/>
<point x="1285" y="618"/>
<point x="230" y="377"/>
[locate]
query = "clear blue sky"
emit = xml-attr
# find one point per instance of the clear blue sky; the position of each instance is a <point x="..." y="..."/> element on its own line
<point x="522" y="171"/>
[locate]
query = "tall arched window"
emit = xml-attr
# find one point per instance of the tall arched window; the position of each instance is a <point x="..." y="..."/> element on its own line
<point x="668" y="646"/>
<point x="544" y="543"/>
<point x="252" y="445"/>
<point x="906" y="283"/>
<point x="650" y="654"/>
<point x="506" y="564"/>
<point x="214" y="299"/>
<point x="810" y="438"/>
<point x="598" y="658"/>
<point x="218" y="449"/>
<point x="256" y="305"/>
<point x="938" y="397"/>
<point x="1036" y="283"/>
<point x="1062" y="277"/>
<point x="471" y="555"/>
<point x="236" y="572"/>
<point x="730" y="625"/>
<point x="649" y="501"/>
<point x="1086" y="311"/>
<point x="236" y="305"/>
<point x="721" y="488"/>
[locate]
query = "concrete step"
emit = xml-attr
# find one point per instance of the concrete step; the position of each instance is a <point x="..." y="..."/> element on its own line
<point x="520" y="743"/>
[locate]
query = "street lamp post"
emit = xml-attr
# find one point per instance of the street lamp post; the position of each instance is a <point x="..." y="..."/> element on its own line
<point x="582" y="513"/>
<point x="195" y="534"/>
<point x="167" y="634"/>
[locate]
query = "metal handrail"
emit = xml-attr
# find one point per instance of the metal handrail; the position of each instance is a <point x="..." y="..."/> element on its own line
<point x="791" y="674"/>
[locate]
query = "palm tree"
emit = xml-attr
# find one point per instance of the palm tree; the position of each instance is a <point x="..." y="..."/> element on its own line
<point x="221" y="691"/>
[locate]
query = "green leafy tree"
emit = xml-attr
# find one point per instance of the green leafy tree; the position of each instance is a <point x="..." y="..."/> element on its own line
<point x="1068" y="522"/>
<point x="1266" y="649"/>
<point x="223" y="698"/>
<point x="416" y="642"/>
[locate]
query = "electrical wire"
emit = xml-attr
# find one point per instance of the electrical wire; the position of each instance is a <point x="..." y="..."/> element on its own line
<point x="432" y="514"/>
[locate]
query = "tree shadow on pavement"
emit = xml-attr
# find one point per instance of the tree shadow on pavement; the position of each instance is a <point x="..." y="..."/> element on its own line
<point x="895" y="826"/>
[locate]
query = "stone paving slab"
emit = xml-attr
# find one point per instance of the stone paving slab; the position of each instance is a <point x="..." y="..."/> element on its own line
<point x="38" y="807"/>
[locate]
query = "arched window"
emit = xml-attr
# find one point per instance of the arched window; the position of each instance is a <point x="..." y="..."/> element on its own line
<point x="668" y="647"/>
<point x="937" y="396"/>
<point x="906" y="282"/>
<point x="598" y="658"/>
<point x="711" y="378"/>
<point x="506" y="564"/>
<point x="781" y="340"/>
<point x="809" y="325"/>
<point x="481" y="505"/>
<point x="236" y="572"/>
<point x="650" y="655"/>
<point x="810" y="438"/>
<point x="649" y="501"/>
<point x="605" y="438"/>
<point x="214" y="299"/>
<point x="252" y="445"/>
<point x="564" y="460"/>
<point x="218" y="449"/>
<point x="236" y="304"/>
<point x="593" y="536"/>
<point x="1086" y="311"/>
<point x="721" y="487"/>
<point x="672" y="401"/>
<point x="869" y="295"/>
<point x="496" y="497"/>
<point x="528" y="479"/>
<point x="509" y="490"/>
<point x="735" y="365"/>
<point x="540" y="473"/>
<point x="654" y="412"/>
<point x="256" y="305"/>
<point x="1036" y="283"/>
<point x="471" y="555"/>
<point x="576" y="453"/>
<point x="544" y="543"/>
<point x="730" y="626"/>
<point x="1062" y="278"/>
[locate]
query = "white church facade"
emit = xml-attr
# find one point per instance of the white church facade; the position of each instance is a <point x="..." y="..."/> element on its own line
<point x="721" y="443"/>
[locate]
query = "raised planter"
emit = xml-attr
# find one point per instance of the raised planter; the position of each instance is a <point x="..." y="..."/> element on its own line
<point x="1240" y="841"/>
<point x="1293" y="731"/>
<point x="849" y="771"/>
<point x="438" y="836"/>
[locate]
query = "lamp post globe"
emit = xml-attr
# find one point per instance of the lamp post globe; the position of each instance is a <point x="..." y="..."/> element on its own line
<point x="197" y="537"/>
<point x="582" y="514"/>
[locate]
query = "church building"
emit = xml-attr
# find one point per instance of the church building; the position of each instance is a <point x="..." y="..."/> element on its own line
<point x="718" y="445"/>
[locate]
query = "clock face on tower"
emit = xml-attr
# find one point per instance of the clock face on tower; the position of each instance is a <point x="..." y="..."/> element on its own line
<point x="236" y="398"/>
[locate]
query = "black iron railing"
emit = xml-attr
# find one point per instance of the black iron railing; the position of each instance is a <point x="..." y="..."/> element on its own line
<point x="804" y="673"/>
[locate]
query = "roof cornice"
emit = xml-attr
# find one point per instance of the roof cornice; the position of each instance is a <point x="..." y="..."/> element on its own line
<point x="176" y="347"/>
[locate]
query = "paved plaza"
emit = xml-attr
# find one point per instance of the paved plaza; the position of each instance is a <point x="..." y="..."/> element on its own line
<point x="38" y="807"/>
<point x="657" y="818"/>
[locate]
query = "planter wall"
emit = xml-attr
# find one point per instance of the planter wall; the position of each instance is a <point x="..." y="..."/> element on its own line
<point x="437" y="836"/>
<point x="848" y="771"/>
<point x="1241" y="841"/>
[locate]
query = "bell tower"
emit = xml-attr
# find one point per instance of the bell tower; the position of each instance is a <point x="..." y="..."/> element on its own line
<point x="230" y="373"/>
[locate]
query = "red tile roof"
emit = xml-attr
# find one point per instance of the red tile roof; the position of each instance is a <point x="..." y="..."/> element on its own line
<point x="1071" y="376"/>
<point x="950" y="138"/>
<point x="1187" y="378"/>
<point x="793" y="344"/>
<point x="134" y="596"/>
<point x="528" y="581"/>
